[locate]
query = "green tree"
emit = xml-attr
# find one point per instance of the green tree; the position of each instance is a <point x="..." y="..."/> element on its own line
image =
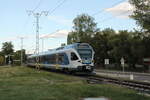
<point x="72" y="37"/>
<point x="83" y="29"/>
<point x="101" y="45"/>
<point x="142" y="13"/>
<point x="2" y="58"/>
<point x="146" y="43"/>
<point x="7" y="48"/>
<point x="121" y="44"/>
<point x="17" y="57"/>
<point x="136" y="49"/>
<point x="63" y="44"/>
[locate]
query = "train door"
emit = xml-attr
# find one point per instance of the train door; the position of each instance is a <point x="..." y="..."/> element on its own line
<point x="74" y="60"/>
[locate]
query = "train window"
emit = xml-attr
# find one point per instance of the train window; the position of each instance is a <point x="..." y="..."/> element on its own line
<point x="73" y="56"/>
<point x="60" y="58"/>
<point x="63" y="59"/>
<point x="51" y="59"/>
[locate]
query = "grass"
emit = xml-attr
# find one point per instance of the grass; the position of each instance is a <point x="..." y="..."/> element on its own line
<point x="23" y="83"/>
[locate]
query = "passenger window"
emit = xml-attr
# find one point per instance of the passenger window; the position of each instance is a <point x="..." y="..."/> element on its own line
<point x="73" y="56"/>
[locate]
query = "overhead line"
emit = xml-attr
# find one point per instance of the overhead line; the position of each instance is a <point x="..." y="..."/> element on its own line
<point x="27" y="20"/>
<point x="109" y="7"/>
<point x="61" y="3"/>
<point x="37" y="6"/>
<point x="110" y="18"/>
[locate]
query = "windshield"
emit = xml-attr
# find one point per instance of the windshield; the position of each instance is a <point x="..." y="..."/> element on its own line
<point x="85" y="53"/>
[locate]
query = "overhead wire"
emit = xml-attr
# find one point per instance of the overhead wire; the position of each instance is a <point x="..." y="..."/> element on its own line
<point x="27" y="20"/>
<point x="96" y="13"/>
<point x="61" y="2"/>
<point x="112" y="17"/>
<point x="37" y="6"/>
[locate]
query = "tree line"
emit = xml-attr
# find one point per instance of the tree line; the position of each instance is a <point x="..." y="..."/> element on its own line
<point x="9" y="56"/>
<point x="133" y="46"/>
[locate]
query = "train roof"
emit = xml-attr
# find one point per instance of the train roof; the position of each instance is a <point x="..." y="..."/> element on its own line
<point x="63" y="48"/>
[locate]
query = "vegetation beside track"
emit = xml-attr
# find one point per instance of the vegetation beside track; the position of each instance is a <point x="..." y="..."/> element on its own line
<point x="23" y="83"/>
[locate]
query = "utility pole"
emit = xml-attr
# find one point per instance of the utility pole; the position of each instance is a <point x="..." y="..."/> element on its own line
<point x="10" y="62"/>
<point x="42" y="44"/>
<point x="21" y="59"/>
<point x="78" y="37"/>
<point x="37" y="15"/>
<point x="6" y="59"/>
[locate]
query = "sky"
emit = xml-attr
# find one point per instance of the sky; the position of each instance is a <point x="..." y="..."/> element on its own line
<point x="17" y="21"/>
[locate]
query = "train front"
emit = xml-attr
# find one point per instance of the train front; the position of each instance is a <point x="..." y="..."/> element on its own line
<point x="86" y="54"/>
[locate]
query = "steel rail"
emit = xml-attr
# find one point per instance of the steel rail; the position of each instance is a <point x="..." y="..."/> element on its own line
<point x="139" y="86"/>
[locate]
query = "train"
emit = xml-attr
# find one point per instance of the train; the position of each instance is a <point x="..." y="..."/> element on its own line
<point x="77" y="57"/>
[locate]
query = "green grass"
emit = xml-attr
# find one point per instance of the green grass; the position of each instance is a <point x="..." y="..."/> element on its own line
<point x="23" y="83"/>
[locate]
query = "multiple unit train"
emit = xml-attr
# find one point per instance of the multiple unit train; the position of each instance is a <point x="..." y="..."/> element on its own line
<point x="77" y="57"/>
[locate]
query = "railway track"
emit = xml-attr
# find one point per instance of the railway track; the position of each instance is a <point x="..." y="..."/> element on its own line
<point x="141" y="87"/>
<point x="123" y="73"/>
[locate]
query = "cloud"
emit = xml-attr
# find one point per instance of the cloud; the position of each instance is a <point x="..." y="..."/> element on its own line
<point x="122" y="10"/>
<point x="57" y="34"/>
<point x="60" y="20"/>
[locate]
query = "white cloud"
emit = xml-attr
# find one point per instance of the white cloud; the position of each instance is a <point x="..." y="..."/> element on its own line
<point x="60" y="20"/>
<point x="122" y="10"/>
<point x="57" y="34"/>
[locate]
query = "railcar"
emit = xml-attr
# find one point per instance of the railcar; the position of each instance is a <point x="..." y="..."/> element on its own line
<point x="77" y="57"/>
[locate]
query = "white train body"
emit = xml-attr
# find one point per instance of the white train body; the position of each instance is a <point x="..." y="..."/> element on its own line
<point x="75" y="57"/>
